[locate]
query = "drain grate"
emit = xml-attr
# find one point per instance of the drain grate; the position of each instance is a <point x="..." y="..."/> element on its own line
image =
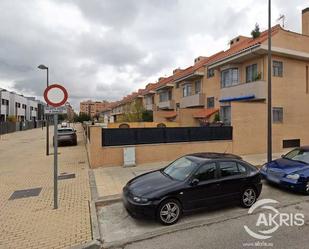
<point x="81" y="162"/>
<point x="66" y="176"/>
<point x="25" y="193"/>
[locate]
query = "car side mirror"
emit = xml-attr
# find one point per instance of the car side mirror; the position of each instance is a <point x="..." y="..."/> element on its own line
<point x="282" y="156"/>
<point x="194" y="182"/>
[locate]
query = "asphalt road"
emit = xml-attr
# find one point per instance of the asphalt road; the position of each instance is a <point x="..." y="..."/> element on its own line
<point x="231" y="234"/>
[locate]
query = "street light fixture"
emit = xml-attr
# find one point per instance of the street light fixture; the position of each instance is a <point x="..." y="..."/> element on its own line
<point x="43" y="67"/>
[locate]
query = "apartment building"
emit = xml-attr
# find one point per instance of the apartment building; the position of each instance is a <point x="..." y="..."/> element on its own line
<point x="93" y="108"/>
<point x="21" y="107"/>
<point x="233" y="84"/>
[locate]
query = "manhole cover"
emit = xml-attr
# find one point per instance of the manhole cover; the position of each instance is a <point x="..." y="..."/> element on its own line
<point x="25" y="193"/>
<point x="66" y="176"/>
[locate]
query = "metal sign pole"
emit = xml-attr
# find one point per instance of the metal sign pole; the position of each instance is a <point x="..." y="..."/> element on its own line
<point x="55" y="161"/>
<point x="55" y="108"/>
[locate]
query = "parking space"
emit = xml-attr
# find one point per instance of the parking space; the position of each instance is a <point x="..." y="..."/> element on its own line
<point x="118" y="228"/>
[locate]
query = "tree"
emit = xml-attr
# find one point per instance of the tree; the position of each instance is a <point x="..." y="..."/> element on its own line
<point x="256" y="31"/>
<point x="82" y="117"/>
<point x="133" y="112"/>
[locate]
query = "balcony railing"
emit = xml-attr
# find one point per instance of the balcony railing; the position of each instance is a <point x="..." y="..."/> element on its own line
<point x="193" y="100"/>
<point x="116" y="111"/>
<point x="169" y="104"/>
<point x="256" y="88"/>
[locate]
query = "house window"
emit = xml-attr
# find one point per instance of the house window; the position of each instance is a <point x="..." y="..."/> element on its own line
<point x="197" y="85"/>
<point x="225" y="113"/>
<point x="251" y="73"/>
<point x="211" y="102"/>
<point x="149" y="100"/>
<point x="177" y="106"/>
<point x="5" y="102"/>
<point x="177" y="85"/>
<point x="277" y="114"/>
<point x="229" y="77"/>
<point x="165" y="96"/>
<point x="186" y="91"/>
<point x="210" y="73"/>
<point x="277" y="68"/>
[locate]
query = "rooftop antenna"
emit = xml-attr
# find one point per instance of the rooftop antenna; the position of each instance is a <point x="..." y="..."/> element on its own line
<point x="281" y="17"/>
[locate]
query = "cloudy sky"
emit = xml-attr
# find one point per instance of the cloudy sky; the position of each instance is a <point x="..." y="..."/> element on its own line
<point x="104" y="49"/>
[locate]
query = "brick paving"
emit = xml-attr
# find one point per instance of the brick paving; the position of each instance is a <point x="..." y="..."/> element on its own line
<point x="32" y="222"/>
<point x="110" y="180"/>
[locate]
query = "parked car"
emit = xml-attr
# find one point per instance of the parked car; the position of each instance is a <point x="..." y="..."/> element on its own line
<point x="64" y="124"/>
<point x="291" y="170"/>
<point x="192" y="182"/>
<point x="67" y="136"/>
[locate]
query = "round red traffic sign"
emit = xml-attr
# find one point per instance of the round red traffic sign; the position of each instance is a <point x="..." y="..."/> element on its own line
<point x="55" y="95"/>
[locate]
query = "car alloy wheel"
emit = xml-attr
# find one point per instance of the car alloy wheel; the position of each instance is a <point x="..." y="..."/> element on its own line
<point x="169" y="212"/>
<point x="248" y="197"/>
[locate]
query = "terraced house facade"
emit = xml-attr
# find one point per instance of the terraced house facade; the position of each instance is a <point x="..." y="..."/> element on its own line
<point x="230" y="88"/>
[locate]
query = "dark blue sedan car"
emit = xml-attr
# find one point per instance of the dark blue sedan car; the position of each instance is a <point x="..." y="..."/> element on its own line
<point x="291" y="170"/>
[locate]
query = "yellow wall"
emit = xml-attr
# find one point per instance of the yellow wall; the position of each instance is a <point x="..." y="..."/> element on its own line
<point x="113" y="156"/>
<point x="249" y="127"/>
<point x="290" y="40"/>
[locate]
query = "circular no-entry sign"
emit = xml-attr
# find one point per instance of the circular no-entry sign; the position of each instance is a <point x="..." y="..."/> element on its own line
<point x="55" y="95"/>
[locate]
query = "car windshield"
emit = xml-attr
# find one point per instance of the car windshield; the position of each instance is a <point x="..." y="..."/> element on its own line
<point x="298" y="155"/>
<point x="180" y="169"/>
<point x="64" y="130"/>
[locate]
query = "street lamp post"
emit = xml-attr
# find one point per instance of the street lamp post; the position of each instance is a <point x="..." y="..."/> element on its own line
<point x="269" y="104"/>
<point x="43" y="67"/>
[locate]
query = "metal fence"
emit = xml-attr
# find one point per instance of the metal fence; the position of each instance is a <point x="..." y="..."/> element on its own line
<point x="133" y="136"/>
<point x="8" y="127"/>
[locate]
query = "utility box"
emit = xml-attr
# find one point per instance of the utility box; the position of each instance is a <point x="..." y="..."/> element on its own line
<point x="129" y="156"/>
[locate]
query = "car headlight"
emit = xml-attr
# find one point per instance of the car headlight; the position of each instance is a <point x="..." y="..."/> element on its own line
<point x="293" y="176"/>
<point x="140" y="199"/>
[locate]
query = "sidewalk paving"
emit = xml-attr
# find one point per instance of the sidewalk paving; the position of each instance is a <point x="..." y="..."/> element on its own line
<point x="111" y="180"/>
<point x="32" y="222"/>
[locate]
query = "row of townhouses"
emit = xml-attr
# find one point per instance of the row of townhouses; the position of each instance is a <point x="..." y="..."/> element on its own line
<point x="231" y="87"/>
<point x="21" y="107"/>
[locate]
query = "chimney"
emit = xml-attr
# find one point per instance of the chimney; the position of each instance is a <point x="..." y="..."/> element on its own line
<point x="176" y="70"/>
<point x="199" y="59"/>
<point x="236" y="40"/>
<point x="305" y="21"/>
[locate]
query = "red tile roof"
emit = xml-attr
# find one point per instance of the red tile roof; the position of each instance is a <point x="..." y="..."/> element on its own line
<point x="246" y="43"/>
<point x="196" y="66"/>
<point x="242" y="45"/>
<point x="205" y="113"/>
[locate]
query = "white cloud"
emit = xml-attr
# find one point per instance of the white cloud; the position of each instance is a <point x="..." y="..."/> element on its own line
<point x="105" y="49"/>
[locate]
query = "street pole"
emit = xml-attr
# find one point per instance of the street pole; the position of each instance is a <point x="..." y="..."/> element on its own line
<point x="55" y="161"/>
<point x="47" y="121"/>
<point x="269" y="104"/>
